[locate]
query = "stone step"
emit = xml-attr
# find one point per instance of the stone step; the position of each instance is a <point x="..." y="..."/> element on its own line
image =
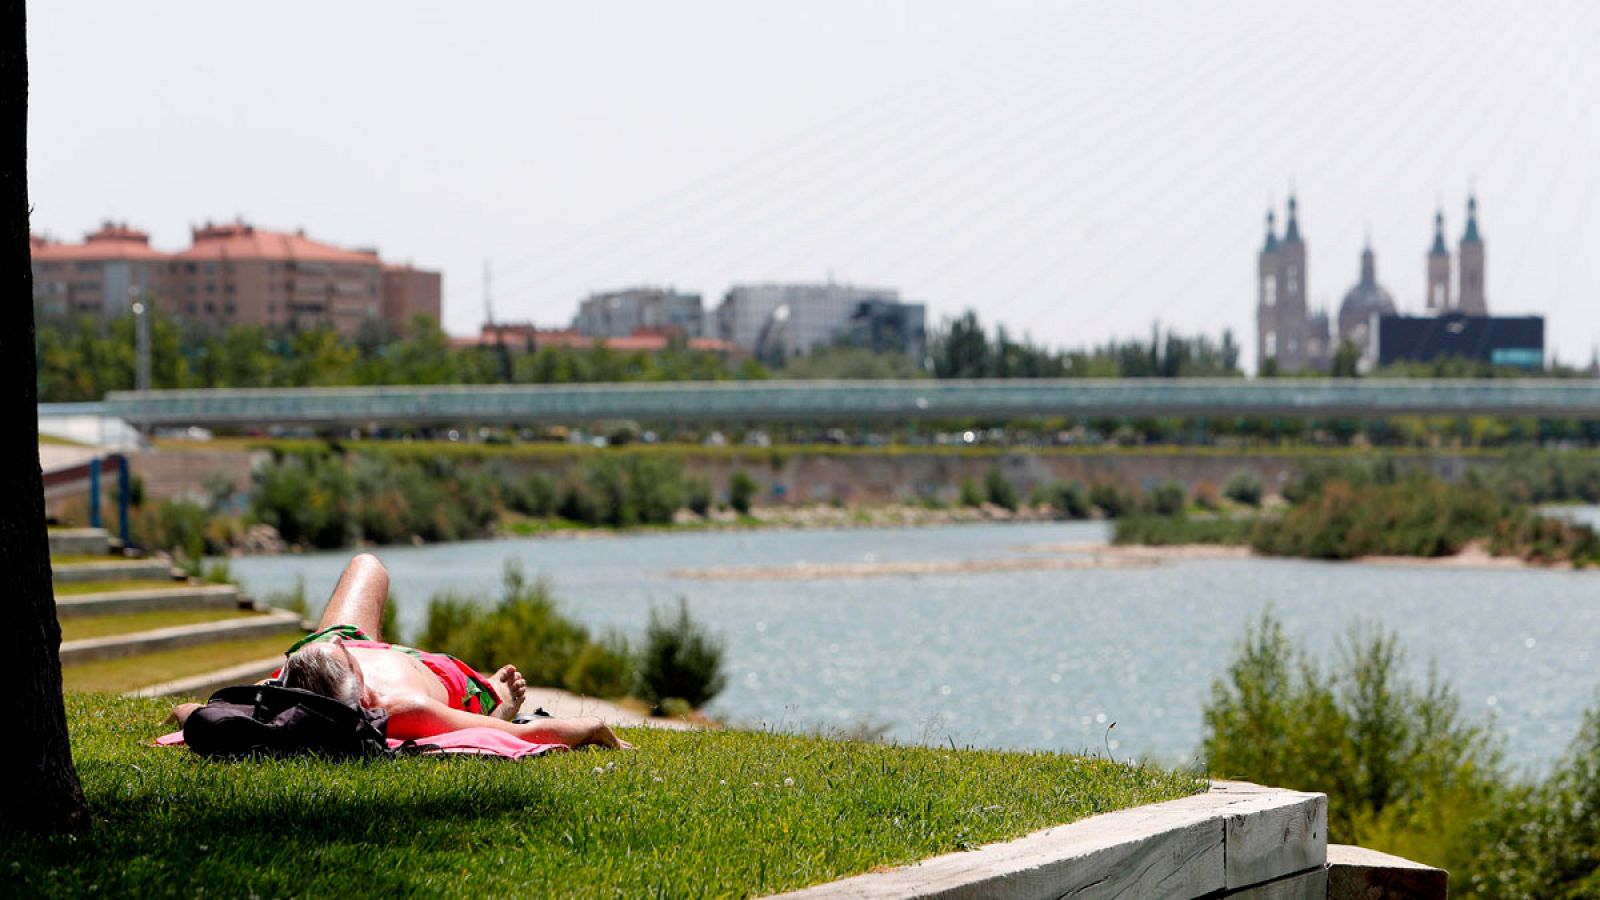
<point x="113" y="570"/>
<point x="269" y="623"/>
<point x="179" y="596"/>
<point x="79" y="542"/>
<point x="204" y="685"/>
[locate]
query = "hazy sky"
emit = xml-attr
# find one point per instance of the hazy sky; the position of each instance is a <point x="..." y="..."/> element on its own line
<point x="1073" y="170"/>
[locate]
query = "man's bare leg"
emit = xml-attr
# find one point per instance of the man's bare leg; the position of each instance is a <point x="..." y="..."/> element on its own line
<point x="359" y="597"/>
<point x="511" y="689"/>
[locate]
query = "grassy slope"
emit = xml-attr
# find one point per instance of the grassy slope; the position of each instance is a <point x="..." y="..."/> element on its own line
<point x="687" y="814"/>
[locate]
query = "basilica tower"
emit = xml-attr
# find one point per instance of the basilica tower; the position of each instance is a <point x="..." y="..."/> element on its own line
<point x="1470" y="260"/>
<point x="1267" y="327"/>
<point x="1438" y="296"/>
<point x="1285" y="332"/>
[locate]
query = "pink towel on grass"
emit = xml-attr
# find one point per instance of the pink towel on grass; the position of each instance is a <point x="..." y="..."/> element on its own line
<point x="464" y="741"/>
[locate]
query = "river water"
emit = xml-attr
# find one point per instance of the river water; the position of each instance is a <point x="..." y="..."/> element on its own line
<point x="1027" y="659"/>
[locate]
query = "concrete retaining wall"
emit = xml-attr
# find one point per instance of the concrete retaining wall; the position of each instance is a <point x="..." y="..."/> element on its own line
<point x="1236" y="840"/>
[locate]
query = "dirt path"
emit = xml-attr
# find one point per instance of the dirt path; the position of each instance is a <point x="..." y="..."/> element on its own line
<point x="564" y="705"/>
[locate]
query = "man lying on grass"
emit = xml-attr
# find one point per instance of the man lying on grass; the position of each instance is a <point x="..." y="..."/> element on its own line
<point x="424" y="694"/>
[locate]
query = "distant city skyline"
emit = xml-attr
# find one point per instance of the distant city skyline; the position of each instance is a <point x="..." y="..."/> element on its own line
<point x="1072" y="171"/>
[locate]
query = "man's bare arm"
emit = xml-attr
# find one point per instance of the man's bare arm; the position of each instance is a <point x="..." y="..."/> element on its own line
<point x="415" y="717"/>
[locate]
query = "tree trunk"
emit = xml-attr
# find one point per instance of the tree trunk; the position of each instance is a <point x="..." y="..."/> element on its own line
<point x="40" y="791"/>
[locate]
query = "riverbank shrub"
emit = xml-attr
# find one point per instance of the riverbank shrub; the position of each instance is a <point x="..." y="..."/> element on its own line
<point x="971" y="494"/>
<point x="176" y="526"/>
<point x="697" y="495"/>
<point x="1165" y="531"/>
<point x="1418" y="516"/>
<point x="536" y="495"/>
<point x="1071" y="500"/>
<point x="1524" y="475"/>
<point x="326" y="499"/>
<point x="1404" y="770"/>
<point x="1545" y="539"/>
<point x="1243" y="487"/>
<point x="1115" y="500"/>
<point x="999" y="490"/>
<point x="1168" y="499"/>
<point x="527" y="629"/>
<point x="1545" y="842"/>
<point x="742" y="489"/>
<point x="681" y="661"/>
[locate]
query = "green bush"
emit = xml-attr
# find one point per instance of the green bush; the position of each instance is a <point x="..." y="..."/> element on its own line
<point x="328" y="500"/>
<point x="1160" y="531"/>
<point x="1403" y="771"/>
<point x="697" y="495"/>
<point x="578" y="500"/>
<point x="603" y="668"/>
<point x="1545" y="841"/>
<point x="999" y="490"/>
<point x="1114" y="500"/>
<point x="1170" y="499"/>
<point x="525" y="629"/>
<point x="680" y="661"/>
<point x="537" y="495"/>
<point x="621" y="492"/>
<point x="176" y="526"/>
<point x="1244" y="487"/>
<point x="307" y="498"/>
<point x="1419" y="516"/>
<point x="1071" y="500"/>
<point x="742" y="489"/>
<point x="658" y="489"/>
<point x="972" y="494"/>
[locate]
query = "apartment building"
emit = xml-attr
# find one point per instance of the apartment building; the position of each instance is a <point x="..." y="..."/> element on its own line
<point x="232" y="273"/>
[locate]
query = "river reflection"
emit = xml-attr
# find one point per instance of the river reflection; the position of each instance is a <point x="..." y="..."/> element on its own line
<point x="1027" y="658"/>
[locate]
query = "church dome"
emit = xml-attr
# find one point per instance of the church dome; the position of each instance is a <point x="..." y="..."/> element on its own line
<point x="1361" y="302"/>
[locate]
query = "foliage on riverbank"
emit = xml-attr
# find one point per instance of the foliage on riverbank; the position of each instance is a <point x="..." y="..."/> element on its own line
<point x="1170" y="531"/>
<point x="678" y="668"/>
<point x="716" y="813"/>
<point x="1382" y="509"/>
<point x="1404" y="770"/>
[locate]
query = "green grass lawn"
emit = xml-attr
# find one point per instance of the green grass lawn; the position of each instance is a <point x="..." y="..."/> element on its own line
<point x="76" y="628"/>
<point x="79" y="588"/>
<point x="130" y="672"/>
<point x="687" y="814"/>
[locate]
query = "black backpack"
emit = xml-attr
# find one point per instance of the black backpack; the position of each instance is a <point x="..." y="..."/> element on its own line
<point x="269" y="720"/>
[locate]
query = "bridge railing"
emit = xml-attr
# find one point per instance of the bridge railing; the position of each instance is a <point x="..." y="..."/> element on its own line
<point x="851" y="400"/>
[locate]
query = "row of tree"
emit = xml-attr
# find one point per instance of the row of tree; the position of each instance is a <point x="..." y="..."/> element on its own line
<point x="83" y="358"/>
<point x="963" y="349"/>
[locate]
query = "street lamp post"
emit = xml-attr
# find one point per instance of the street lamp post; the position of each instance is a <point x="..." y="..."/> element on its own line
<point x="141" y="321"/>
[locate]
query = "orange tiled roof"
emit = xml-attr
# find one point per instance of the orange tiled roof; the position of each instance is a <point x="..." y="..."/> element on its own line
<point x="239" y="240"/>
<point x="113" y="240"/>
<point x="647" y="342"/>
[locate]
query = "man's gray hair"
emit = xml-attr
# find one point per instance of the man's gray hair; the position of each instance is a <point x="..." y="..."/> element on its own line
<point x="322" y="669"/>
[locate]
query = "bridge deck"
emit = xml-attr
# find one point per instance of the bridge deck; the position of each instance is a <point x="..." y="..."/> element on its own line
<point x="857" y="400"/>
